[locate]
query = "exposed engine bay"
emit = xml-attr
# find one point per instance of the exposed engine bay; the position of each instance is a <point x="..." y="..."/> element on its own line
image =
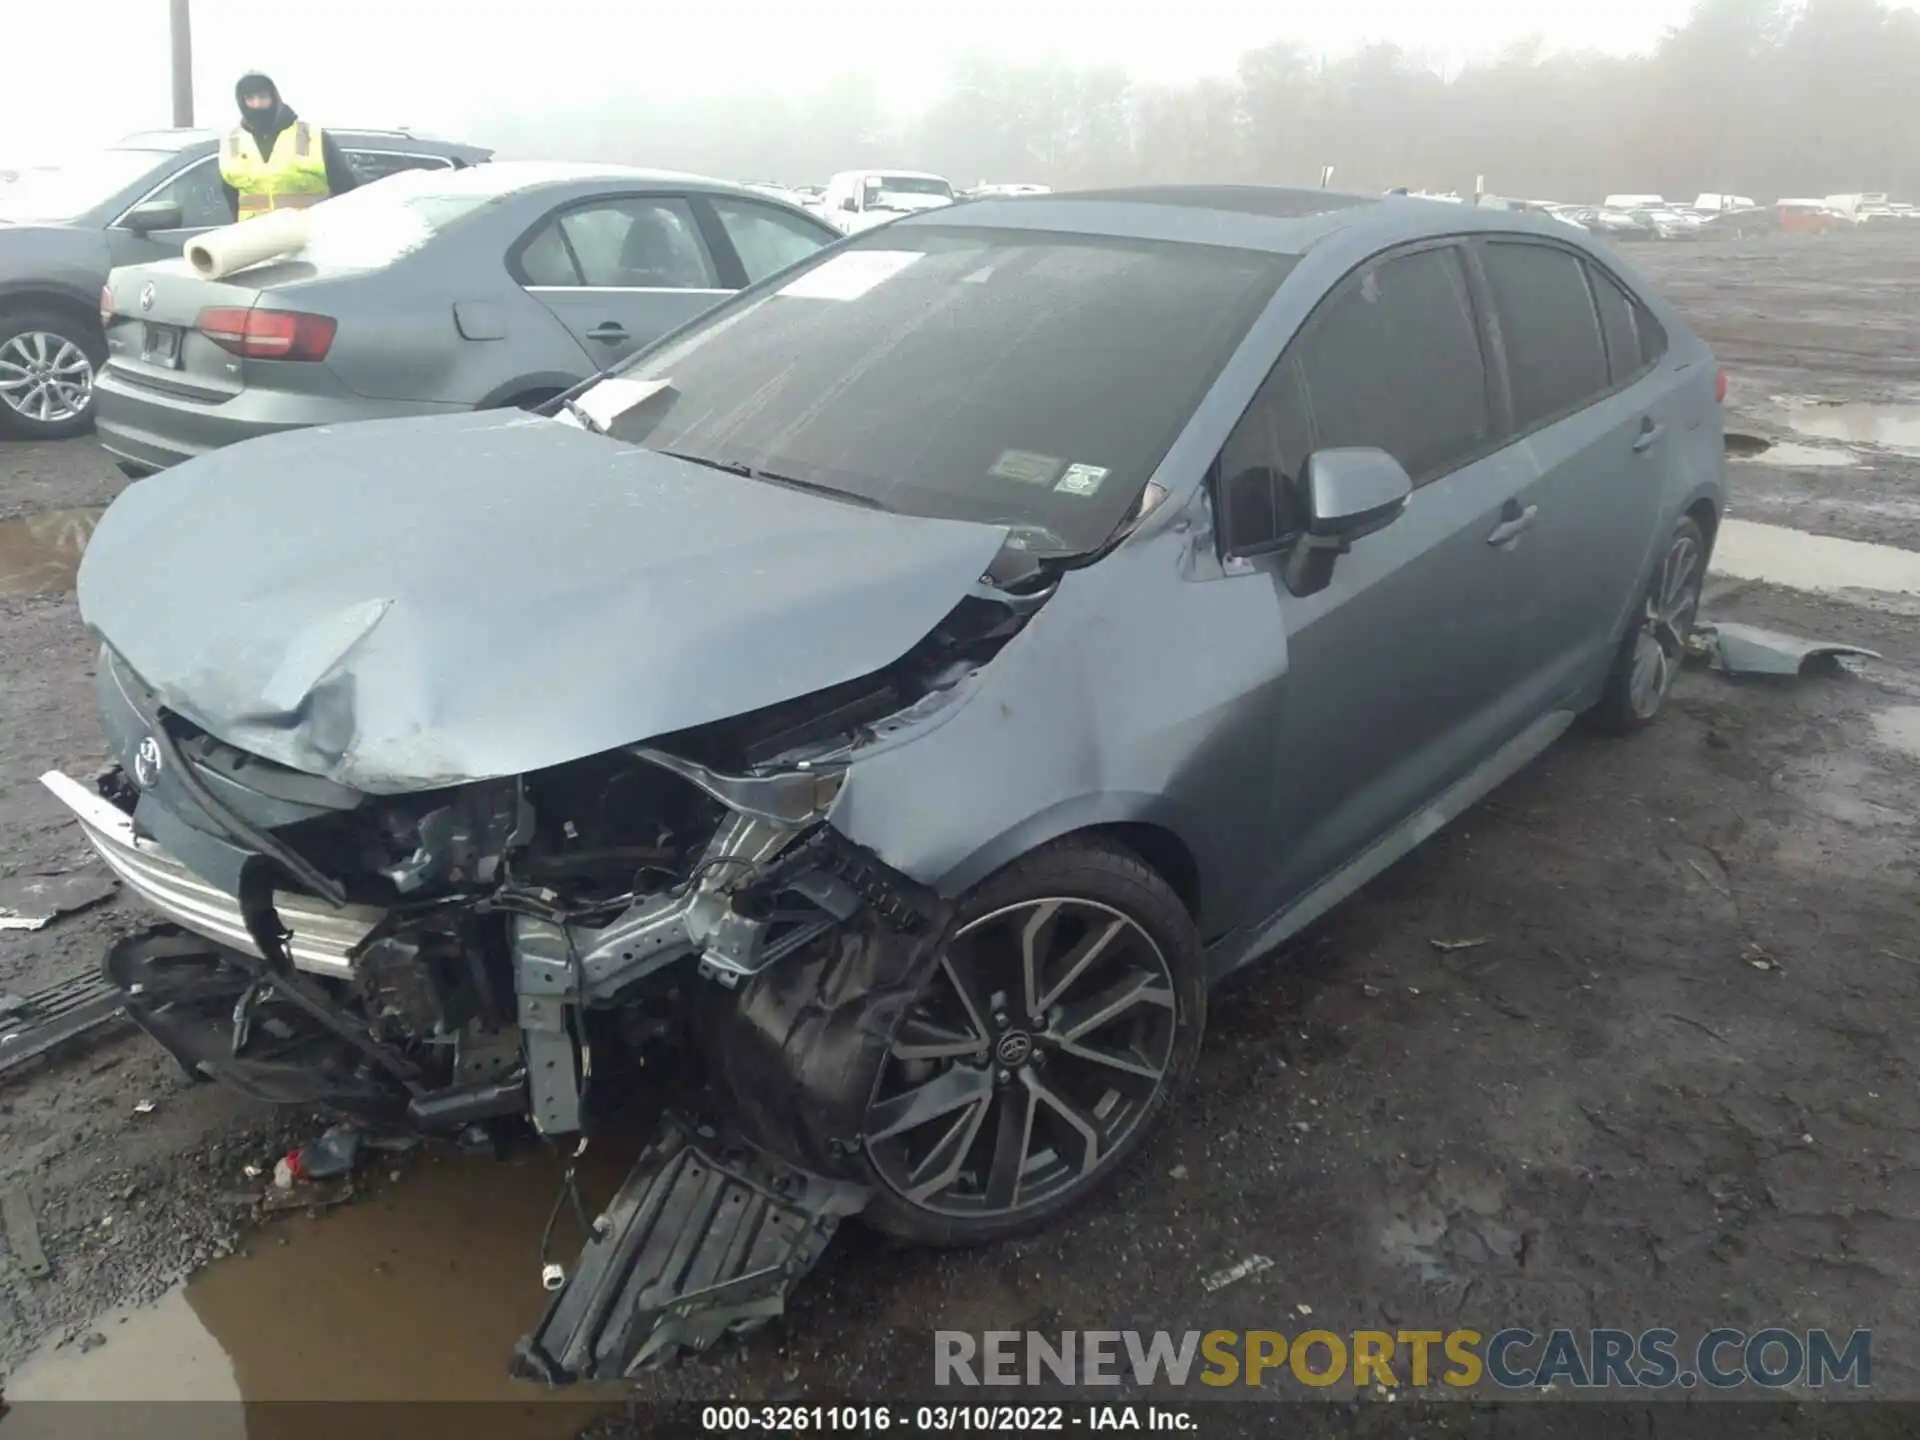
<point x="670" y="929"/>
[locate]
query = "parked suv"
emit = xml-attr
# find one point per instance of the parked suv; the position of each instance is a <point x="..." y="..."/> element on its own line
<point x="63" y="229"/>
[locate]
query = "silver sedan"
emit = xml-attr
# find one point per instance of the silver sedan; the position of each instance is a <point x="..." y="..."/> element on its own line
<point x="429" y="293"/>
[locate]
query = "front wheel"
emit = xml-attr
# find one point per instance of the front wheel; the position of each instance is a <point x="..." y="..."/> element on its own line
<point x="1654" y="646"/>
<point x="1063" y="1015"/>
<point x="48" y="358"/>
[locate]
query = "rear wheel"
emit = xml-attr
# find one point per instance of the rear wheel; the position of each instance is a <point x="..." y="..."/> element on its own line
<point x="1064" y="1014"/>
<point x="48" y="356"/>
<point x="1651" y="653"/>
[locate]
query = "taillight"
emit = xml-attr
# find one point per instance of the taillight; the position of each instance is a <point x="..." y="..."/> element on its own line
<point x="1720" y="386"/>
<point x="106" y="306"/>
<point x="268" y="334"/>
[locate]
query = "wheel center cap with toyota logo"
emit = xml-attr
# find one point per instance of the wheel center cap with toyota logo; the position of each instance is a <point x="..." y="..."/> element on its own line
<point x="1015" y="1048"/>
<point x="146" y="763"/>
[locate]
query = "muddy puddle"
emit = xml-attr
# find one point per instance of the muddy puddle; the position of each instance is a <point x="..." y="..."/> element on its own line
<point x="416" y="1290"/>
<point x="1780" y="555"/>
<point x="1899" y="729"/>
<point x="1789" y="454"/>
<point x="1886" y="427"/>
<point x="41" y="552"/>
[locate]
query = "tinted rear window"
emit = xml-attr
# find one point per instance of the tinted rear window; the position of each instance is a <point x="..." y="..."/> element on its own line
<point x="1616" y="325"/>
<point x="1555" y="359"/>
<point x="1029" y="379"/>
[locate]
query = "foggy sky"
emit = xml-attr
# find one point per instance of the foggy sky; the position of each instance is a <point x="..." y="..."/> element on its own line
<point x="87" y="71"/>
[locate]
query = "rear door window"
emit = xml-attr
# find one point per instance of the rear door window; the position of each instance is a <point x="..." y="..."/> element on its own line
<point x="639" y="243"/>
<point x="1556" y="360"/>
<point x="1393" y="360"/>
<point x="768" y="240"/>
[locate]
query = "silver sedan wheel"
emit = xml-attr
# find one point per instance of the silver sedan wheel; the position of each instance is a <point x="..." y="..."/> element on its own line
<point x="1661" y="641"/>
<point x="1036" y="1048"/>
<point x="45" y="377"/>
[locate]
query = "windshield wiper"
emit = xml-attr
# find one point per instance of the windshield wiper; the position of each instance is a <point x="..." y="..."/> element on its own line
<point x="579" y="412"/>
<point x="749" y="472"/>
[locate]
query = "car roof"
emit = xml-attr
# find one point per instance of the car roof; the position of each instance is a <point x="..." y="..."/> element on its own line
<point x="187" y="138"/>
<point x="1271" y="218"/>
<point x="518" y="177"/>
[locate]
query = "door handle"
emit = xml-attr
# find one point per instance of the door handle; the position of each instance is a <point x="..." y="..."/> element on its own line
<point x="1650" y="431"/>
<point x="608" y="332"/>
<point x="1510" y="530"/>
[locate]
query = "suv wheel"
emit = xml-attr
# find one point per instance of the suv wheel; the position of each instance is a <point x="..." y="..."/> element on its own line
<point x="48" y="357"/>
<point x="1064" y="1014"/>
<point x="1651" y="653"/>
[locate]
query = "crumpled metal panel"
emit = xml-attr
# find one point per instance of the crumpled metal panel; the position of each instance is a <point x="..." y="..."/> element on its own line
<point x="403" y="605"/>
<point x="1750" y="650"/>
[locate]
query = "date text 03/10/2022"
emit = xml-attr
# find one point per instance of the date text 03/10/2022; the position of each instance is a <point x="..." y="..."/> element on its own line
<point x="940" y="1419"/>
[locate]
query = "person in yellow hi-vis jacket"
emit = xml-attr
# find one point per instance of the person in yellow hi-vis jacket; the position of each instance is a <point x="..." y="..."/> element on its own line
<point x="274" y="160"/>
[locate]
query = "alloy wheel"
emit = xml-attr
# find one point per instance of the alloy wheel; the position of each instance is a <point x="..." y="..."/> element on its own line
<point x="1036" y="1048"/>
<point x="44" y="377"/>
<point x="1661" y="641"/>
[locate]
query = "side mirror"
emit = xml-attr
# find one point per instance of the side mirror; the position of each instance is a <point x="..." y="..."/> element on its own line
<point x="154" y="215"/>
<point x="849" y="203"/>
<point x="1345" y="494"/>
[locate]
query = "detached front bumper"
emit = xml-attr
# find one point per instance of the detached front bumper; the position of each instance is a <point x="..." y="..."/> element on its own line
<point x="323" y="937"/>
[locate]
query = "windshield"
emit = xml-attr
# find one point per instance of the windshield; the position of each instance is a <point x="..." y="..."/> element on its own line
<point x="375" y="225"/>
<point x="69" y="191"/>
<point x="1014" y="377"/>
<point x="907" y="187"/>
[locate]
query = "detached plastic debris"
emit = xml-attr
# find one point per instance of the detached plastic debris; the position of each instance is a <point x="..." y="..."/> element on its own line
<point x="1749" y="650"/>
<point x="335" y="1153"/>
<point x="32" y="902"/>
<point x="1252" y="1265"/>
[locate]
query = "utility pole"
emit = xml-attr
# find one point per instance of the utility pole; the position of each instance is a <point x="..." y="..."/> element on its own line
<point x="182" y="29"/>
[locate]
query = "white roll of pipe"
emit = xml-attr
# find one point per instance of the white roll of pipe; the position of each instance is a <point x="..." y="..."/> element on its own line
<point x="234" y="247"/>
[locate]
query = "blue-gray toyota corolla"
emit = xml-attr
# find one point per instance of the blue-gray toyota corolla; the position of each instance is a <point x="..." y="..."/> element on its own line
<point x="863" y="727"/>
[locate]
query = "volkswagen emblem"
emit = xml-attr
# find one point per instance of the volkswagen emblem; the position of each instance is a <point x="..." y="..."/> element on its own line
<point x="1015" y="1048"/>
<point x="146" y="296"/>
<point x="146" y="762"/>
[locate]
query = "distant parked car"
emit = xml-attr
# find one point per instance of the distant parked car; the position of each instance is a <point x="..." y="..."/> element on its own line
<point x="429" y="293"/>
<point x="861" y="199"/>
<point x="1614" y="224"/>
<point x="63" y="228"/>
<point x="1810" y="217"/>
<point x="1741" y="223"/>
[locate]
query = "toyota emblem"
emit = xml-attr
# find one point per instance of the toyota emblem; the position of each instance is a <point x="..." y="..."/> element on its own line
<point x="146" y="762"/>
<point x="146" y="296"/>
<point x="1015" y="1048"/>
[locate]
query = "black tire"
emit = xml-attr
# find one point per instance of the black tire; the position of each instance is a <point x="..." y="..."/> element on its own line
<point x="1094" y="878"/>
<point x="1632" y="698"/>
<point x="71" y="328"/>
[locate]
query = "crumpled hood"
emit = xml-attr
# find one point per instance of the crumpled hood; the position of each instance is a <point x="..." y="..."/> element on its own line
<point x="400" y="605"/>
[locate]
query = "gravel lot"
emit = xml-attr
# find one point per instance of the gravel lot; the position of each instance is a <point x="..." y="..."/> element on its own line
<point x="1675" y="1086"/>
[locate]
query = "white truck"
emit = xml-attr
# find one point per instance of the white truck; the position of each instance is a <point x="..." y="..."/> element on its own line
<point x="861" y="199"/>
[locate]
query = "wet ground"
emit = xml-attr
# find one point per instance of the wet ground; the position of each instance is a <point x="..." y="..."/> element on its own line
<point x="1673" y="1086"/>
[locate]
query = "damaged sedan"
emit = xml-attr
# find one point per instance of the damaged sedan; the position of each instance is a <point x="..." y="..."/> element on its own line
<point x="847" y="742"/>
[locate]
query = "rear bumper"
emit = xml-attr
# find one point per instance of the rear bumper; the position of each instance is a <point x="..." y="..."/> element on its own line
<point x="150" y="429"/>
<point x="323" y="937"/>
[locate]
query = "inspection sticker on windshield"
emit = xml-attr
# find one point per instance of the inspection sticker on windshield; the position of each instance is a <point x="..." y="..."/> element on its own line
<point x="849" y="276"/>
<point x="1081" y="480"/>
<point x="1026" y="467"/>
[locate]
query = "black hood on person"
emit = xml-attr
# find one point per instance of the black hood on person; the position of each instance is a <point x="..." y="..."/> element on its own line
<point x="270" y="120"/>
